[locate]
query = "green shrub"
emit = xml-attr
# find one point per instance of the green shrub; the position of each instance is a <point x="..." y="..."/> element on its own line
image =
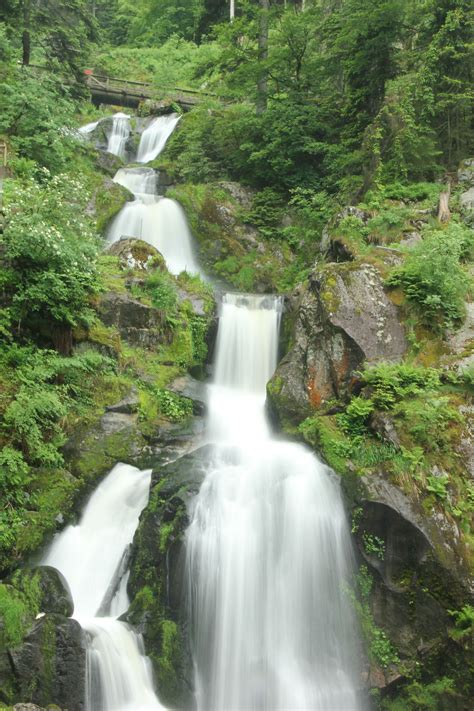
<point x="433" y="278"/>
<point x="356" y="417"/>
<point x="391" y="382"/>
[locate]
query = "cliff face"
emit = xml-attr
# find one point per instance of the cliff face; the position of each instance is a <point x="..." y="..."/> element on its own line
<point x="355" y="388"/>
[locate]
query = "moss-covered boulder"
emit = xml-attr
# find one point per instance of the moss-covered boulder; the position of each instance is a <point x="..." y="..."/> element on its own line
<point x="53" y="592"/>
<point x="343" y="318"/>
<point x="231" y="246"/>
<point x="157" y="586"/>
<point x="49" y="666"/>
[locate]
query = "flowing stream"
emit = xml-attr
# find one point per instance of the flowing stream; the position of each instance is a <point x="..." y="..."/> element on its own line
<point x="153" y="218"/>
<point x="268" y="551"/>
<point x="154" y="137"/>
<point x="268" y="547"/>
<point x="119" y="134"/>
<point x="92" y="556"/>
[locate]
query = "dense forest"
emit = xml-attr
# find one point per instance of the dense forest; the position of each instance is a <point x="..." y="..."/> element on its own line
<point x="324" y="153"/>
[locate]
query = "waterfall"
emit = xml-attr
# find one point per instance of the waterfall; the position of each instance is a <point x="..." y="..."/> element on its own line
<point x="268" y="547"/>
<point x="154" y="137"/>
<point x="158" y="220"/>
<point x="91" y="557"/>
<point x="119" y="134"/>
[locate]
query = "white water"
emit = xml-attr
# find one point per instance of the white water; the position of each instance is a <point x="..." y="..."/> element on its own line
<point x="88" y="128"/>
<point x="119" y="134"/>
<point x="159" y="221"/>
<point x="268" y="549"/>
<point x="91" y="557"/>
<point x="154" y="137"/>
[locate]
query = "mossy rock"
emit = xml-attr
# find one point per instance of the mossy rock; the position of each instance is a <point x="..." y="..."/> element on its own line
<point x="156" y="582"/>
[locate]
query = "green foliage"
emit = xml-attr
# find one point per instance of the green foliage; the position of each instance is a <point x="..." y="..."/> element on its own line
<point x="380" y="649"/>
<point x="176" y="63"/>
<point x="355" y="419"/>
<point x="463" y="623"/>
<point x="417" y="696"/>
<point x="174" y="407"/>
<point x="18" y="608"/>
<point x="437" y="485"/>
<point x="162" y="290"/>
<point x="433" y="278"/>
<point x="429" y="420"/>
<point x="373" y="545"/>
<point x="391" y="382"/>
<point x="49" y="254"/>
<point x="36" y="116"/>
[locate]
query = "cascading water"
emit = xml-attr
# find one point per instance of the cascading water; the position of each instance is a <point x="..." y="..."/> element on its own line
<point x="119" y="134"/>
<point x="268" y="548"/>
<point x="92" y="558"/>
<point x="154" y="137"/>
<point x="157" y="220"/>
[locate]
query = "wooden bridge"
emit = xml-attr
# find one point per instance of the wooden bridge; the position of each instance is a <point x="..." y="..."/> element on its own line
<point x="123" y="92"/>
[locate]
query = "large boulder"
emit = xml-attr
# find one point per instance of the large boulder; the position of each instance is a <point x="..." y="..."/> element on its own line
<point x="50" y="665"/>
<point x="54" y="594"/>
<point x="420" y="572"/>
<point x="136" y="254"/>
<point x="157" y="586"/>
<point x="342" y="319"/>
<point x="137" y="323"/>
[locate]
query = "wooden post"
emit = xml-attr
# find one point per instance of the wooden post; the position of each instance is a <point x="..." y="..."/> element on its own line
<point x="444" y="214"/>
<point x="3" y="154"/>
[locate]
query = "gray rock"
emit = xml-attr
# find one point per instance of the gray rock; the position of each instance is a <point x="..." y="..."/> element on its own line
<point x="108" y="162"/>
<point x="135" y="254"/>
<point x="466" y="200"/>
<point x="410" y="239"/>
<point x="49" y="667"/>
<point x="194" y="390"/>
<point x="113" y="422"/>
<point x="127" y="405"/>
<point x="466" y="172"/>
<point x="383" y="425"/>
<point x="56" y="595"/>
<point x="343" y="319"/>
<point x="138" y="323"/>
<point x="160" y="567"/>
<point x="54" y="592"/>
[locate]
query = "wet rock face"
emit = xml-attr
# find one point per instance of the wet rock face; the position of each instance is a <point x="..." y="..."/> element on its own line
<point x="157" y="587"/>
<point x="138" y="323"/>
<point x="55" y="593"/>
<point x="49" y="666"/>
<point x="418" y="576"/>
<point x="343" y="318"/>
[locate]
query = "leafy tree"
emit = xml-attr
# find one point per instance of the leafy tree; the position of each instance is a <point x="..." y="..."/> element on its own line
<point x="49" y="257"/>
<point x="61" y="32"/>
<point x="35" y="116"/>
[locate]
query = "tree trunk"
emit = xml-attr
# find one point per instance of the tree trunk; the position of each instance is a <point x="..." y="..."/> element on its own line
<point x="262" y="88"/>
<point x="444" y="214"/>
<point x="232" y="9"/>
<point x="25" y="38"/>
<point x="62" y="339"/>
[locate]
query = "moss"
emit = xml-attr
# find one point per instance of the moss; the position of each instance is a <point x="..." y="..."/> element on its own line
<point x="324" y="434"/>
<point x="170" y="660"/>
<point x="112" y="277"/>
<point x="19" y="605"/>
<point x="108" y="200"/>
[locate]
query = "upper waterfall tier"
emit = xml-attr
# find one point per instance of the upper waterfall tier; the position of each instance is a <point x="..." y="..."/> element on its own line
<point x="159" y="221"/>
<point x="154" y="137"/>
